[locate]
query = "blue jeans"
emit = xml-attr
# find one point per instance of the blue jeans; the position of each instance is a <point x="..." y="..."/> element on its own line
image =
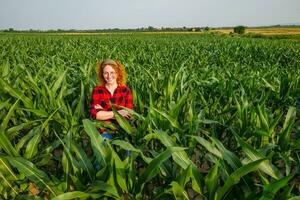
<point x="106" y="136"/>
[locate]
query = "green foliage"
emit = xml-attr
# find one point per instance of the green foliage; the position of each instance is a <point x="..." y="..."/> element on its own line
<point x="214" y="118"/>
<point x="239" y="29"/>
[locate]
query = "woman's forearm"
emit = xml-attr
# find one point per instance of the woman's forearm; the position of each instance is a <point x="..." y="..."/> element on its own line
<point x="105" y="115"/>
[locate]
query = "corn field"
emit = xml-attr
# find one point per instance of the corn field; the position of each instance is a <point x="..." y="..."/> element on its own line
<point x="215" y="117"/>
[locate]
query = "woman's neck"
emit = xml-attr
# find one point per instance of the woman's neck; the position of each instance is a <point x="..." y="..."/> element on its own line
<point x="111" y="85"/>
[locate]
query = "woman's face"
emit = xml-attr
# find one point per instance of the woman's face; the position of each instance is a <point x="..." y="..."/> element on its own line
<point x="109" y="74"/>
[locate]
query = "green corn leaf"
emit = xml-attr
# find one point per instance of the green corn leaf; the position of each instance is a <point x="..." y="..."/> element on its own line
<point x="254" y="155"/>
<point x="5" y="68"/>
<point x="27" y="137"/>
<point x="287" y="161"/>
<point x="6" y="145"/>
<point x="72" y="195"/>
<point x="69" y="163"/>
<point x="197" y="179"/>
<point x="32" y="146"/>
<point x="58" y="82"/>
<point x="184" y="177"/>
<point x="31" y="172"/>
<point x="284" y="138"/>
<point x="4" y="104"/>
<point x="98" y="186"/>
<point x="128" y="147"/>
<point x="6" y="167"/>
<point x="269" y="85"/>
<point x="178" y="191"/>
<point x="296" y="144"/>
<point x="287" y="192"/>
<point x="49" y="95"/>
<point x="295" y="198"/>
<point x="38" y="112"/>
<point x="235" y="177"/>
<point x="174" y="111"/>
<point x="9" y="115"/>
<point x="152" y="168"/>
<point x="271" y="189"/>
<point x="227" y="155"/>
<point x="209" y="146"/>
<point x="51" y="116"/>
<point x="32" y="82"/>
<point x="16" y="93"/>
<point x="133" y="113"/>
<point x="290" y="117"/>
<point x="181" y="158"/>
<point x="211" y="180"/>
<point x="263" y="118"/>
<point x="100" y="148"/>
<point x="262" y="133"/>
<point x="132" y="173"/>
<point x="275" y="122"/>
<point x="123" y="122"/>
<point x="105" y="125"/>
<point x="191" y="173"/>
<point x="12" y="131"/>
<point x="119" y="169"/>
<point x="83" y="159"/>
<point x="67" y="168"/>
<point x="80" y="105"/>
<point x="172" y="121"/>
<point x="7" y="182"/>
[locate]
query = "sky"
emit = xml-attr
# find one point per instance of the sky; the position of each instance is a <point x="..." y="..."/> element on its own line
<point x="100" y="14"/>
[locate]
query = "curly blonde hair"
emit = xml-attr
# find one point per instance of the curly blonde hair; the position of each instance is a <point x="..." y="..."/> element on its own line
<point x="118" y="67"/>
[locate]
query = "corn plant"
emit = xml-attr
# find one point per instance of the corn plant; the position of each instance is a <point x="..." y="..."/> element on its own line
<point x="214" y="117"/>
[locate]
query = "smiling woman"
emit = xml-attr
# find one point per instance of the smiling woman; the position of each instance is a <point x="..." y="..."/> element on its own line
<point x="112" y="90"/>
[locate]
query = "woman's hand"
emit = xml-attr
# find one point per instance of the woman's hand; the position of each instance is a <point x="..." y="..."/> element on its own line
<point x="125" y="114"/>
<point x="97" y="106"/>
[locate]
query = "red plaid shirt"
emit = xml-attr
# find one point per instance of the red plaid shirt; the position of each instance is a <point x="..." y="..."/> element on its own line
<point x="122" y="96"/>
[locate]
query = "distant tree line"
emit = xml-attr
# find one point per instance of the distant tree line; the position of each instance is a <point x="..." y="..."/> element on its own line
<point x="142" y="29"/>
<point x="237" y="29"/>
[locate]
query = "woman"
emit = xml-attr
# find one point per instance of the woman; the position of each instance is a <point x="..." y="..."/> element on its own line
<point x="112" y="88"/>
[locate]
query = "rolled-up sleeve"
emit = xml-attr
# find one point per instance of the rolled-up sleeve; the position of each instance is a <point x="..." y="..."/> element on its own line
<point x="94" y="100"/>
<point x="128" y="99"/>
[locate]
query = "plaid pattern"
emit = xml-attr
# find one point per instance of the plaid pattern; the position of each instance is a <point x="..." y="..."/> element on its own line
<point x="122" y="96"/>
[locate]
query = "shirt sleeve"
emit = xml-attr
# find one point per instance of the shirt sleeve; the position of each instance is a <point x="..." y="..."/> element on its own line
<point x="94" y="99"/>
<point x="128" y="99"/>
